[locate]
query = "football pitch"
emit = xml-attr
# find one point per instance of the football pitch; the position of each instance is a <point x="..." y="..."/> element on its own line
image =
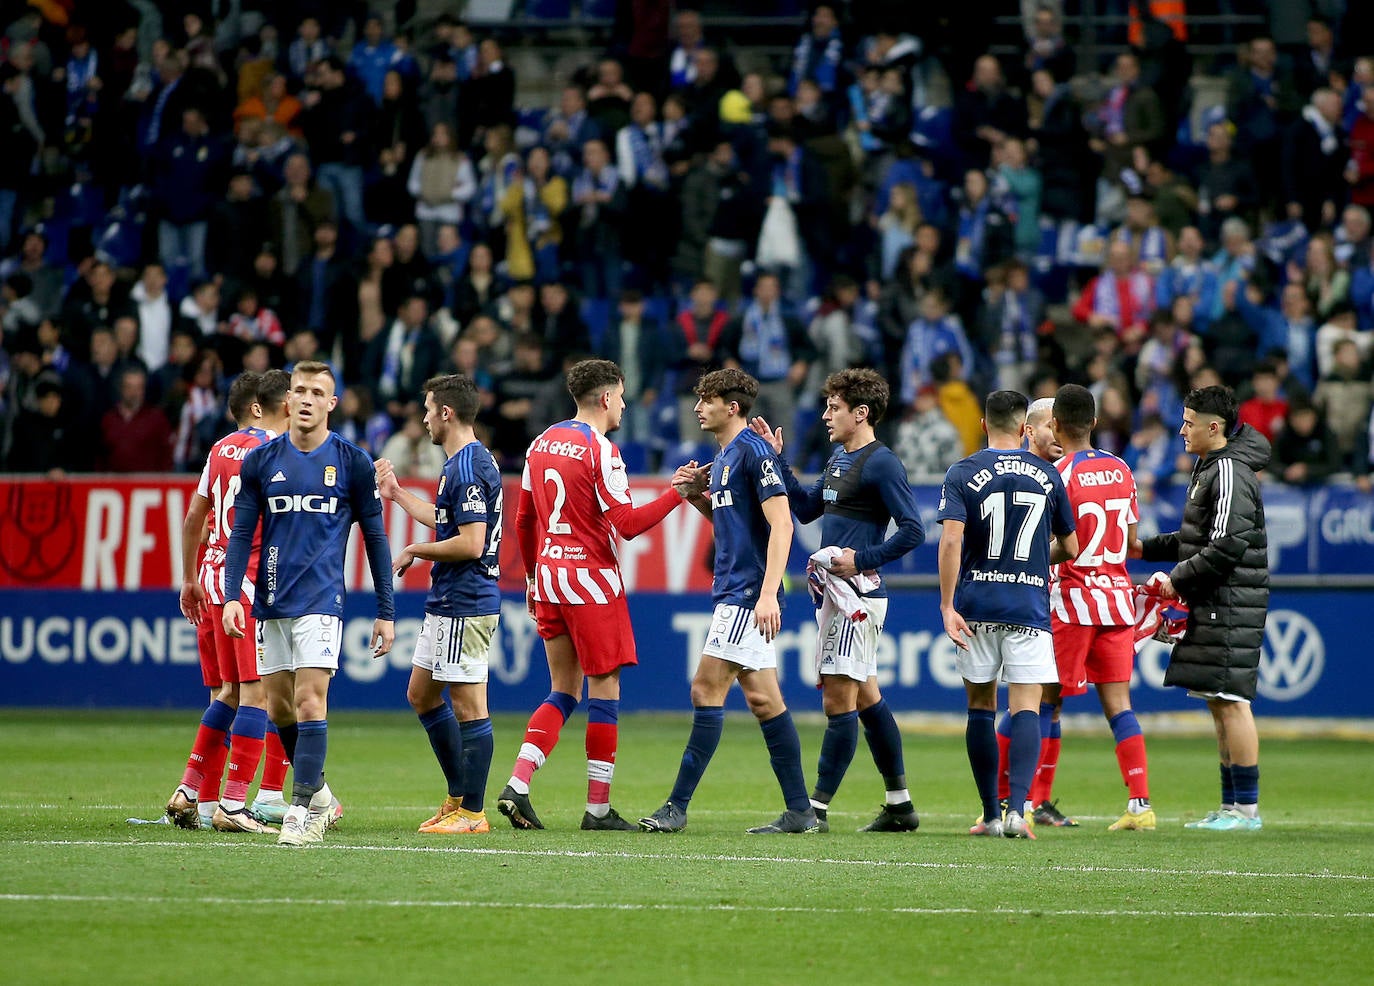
<point x="85" y="897"/>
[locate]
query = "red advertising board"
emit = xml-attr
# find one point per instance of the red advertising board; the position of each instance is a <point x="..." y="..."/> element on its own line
<point x="108" y="532"/>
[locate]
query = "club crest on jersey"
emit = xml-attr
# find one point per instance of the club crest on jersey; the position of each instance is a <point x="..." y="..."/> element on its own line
<point x="331" y="475"/>
<point x="442" y="481"/>
<point x="725" y="476"/>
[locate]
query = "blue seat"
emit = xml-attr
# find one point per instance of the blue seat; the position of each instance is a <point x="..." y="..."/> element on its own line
<point x="596" y="312"/>
<point x="635" y="456"/>
<point x="549" y="10"/>
<point x="603" y="9"/>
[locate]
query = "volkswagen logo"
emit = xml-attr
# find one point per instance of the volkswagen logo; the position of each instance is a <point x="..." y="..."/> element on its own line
<point x="1292" y="656"/>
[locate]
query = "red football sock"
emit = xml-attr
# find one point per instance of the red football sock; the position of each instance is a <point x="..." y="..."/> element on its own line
<point x="1130" y="756"/>
<point x="243" y="767"/>
<point x="602" y="738"/>
<point x="1003" y="766"/>
<point x="214" y="769"/>
<point x="206" y="760"/>
<point x="275" y="765"/>
<point x="1043" y="785"/>
<point x="541" y="736"/>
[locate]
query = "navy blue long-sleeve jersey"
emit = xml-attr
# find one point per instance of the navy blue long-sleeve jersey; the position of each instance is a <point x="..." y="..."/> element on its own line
<point x="858" y="496"/>
<point x="307" y="502"/>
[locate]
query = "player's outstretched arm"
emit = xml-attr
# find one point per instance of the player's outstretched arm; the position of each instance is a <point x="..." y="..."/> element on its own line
<point x="469" y="543"/>
<point x="383" y="636"/>
<point x="630" y="522"/>
<point x="192" y="536"/>
<point x="951" y="544"/>
<point x="768" y="613"/>
<point x="807" y="504"/>
<point x="391" y="489"/>
<point x="1063" y="548"/>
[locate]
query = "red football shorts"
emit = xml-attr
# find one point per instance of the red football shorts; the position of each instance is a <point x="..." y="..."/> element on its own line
<point x="1089" y="654"/>
<point x="601" y="636"/>
<point x="222" y="658"/>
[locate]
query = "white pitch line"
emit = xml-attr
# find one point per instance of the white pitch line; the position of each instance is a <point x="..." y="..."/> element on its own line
<point x="701" y="908"/>
<point x="1000" y="867"/>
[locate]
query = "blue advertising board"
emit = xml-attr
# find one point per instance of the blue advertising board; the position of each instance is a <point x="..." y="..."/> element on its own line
<point x="134" y="650"/>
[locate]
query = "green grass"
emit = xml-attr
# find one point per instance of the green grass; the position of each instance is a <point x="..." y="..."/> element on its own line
<point x="85" y="897"/>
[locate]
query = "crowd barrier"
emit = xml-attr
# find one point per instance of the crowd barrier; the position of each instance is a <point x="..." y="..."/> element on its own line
<point x="134" y="650"/>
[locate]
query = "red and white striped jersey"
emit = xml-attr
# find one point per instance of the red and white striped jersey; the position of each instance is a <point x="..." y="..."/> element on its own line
<point x="574" y="474"/>
<point x="1095" y="589"/>
<point x="219" y="483"/>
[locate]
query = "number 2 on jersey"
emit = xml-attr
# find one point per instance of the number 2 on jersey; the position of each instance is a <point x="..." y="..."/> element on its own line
<point x="994" y="509"/>
<point x="560" y="497"/>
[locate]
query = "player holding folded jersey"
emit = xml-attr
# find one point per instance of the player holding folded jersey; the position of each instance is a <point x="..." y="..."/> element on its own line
<point x="574" y="500"/>
<point x="308" y="486"/>
<point x="464" y="602"/>
<point x="862" y="489"/>
<point x="999" y="507"/>
<point x="748" y="507"/>
<point x="238" y="708"/>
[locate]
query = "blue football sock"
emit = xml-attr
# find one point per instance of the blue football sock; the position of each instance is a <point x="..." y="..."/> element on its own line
<point x="1228" y="785"/>
<point x="563" y="702"/>
<point x="218" y="716"/>
<point x="784" y="753"/>
<point x="447" y="740"/>
<point x="838" y="744"/>
<point x="980" y="737"/>
<point x="1004" y="725"/>
<point x="708" y="722"/>
<point x="1246" y="780"/>
<point x="885" y="743"/>
<point x="1124" y="725"/>
<point x="1024" y="756"/>
<point x="289" y="735"/>
<point x="478" y="744"/>
<point x="250" y="723"/>
<point x="311" y="746"/>
<point x="1049" y="725"/>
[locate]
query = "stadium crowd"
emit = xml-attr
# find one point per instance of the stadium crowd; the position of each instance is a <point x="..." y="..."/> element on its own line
<point x="190" y="190"/>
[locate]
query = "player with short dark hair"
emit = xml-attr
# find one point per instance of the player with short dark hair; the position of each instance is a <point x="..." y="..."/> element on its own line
<point x="1221" y="571"/>
<point x="237" y="711"/>
<point x="308" y="486"/>
<point x="1092" y="608"/>
<point x="999" y="507"/>
<point x="574" y="500"/>
<point x="862" y="489"/>
<point x="464" y="603"/>
<point x="749" y="513"/>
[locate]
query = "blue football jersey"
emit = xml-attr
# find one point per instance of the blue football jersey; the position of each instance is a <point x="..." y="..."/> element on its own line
<point x="858" y="496"/>
<point x="743" y="475"/>
<point x="1009" y="501"/>
<point x="469" y="493"/>
<point x="307" y="502"/>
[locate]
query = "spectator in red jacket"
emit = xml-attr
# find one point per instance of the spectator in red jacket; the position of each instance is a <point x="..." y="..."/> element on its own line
<point x="136" y="436"/>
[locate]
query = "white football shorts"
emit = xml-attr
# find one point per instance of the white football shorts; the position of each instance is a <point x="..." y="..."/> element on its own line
<point x="1019" y="655"/>
<point x="455" y="649"/>
<point x="311" y="641"/>
<point x="847" y="648"/>
<point x="736" y="639"/>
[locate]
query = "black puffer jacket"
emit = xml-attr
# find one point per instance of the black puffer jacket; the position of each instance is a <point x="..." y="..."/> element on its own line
<point x="1222" y="569"/>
